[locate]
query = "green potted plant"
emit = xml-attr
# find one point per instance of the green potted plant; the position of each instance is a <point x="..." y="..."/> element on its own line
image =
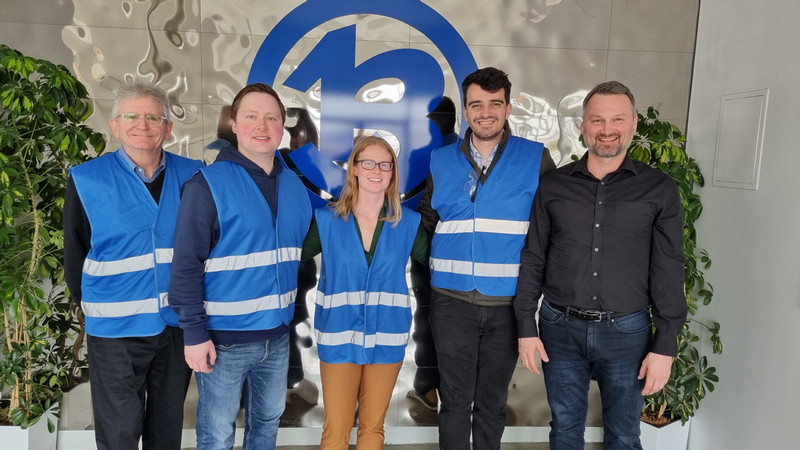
<point x="662" y="145"/>
<point x="42" y="107"/>
<point x="67" y="361"/>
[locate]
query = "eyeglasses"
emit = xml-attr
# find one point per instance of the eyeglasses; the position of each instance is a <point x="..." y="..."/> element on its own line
<point x="154" y="120"/>
<point x="368" y="164"/>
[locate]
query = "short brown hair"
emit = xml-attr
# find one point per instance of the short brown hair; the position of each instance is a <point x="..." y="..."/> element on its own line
<point x="610" y="88"/>
<point x="256" y="87"/>
<point x="490" y="79"/>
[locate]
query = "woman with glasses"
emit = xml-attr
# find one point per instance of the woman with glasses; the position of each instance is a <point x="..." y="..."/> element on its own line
<point x="363" y="312"/>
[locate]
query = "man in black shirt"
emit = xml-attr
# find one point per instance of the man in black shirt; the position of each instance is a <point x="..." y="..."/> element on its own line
<point x="605" y="247"/>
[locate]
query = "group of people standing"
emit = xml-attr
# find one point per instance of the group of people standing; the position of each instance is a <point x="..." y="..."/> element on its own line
<point x="498" y="225"/>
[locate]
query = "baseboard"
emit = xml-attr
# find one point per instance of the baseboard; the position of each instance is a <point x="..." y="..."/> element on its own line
<point x="84" y="439"/>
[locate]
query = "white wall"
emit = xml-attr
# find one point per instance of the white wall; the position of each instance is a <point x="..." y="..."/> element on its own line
<point x="753" y="236"/>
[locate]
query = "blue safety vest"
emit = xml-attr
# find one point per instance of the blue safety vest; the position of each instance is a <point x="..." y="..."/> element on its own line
<point x="251" y="274"/>
<point x="363" y="312"/>
<point x="477" y="242"/>
<point x="126" y="272"/>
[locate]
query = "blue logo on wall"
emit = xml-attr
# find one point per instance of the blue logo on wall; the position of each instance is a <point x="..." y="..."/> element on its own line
<point x="332" y="62"/>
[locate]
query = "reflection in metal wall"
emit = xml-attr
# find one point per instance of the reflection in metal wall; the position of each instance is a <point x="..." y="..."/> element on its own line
<point x="202" y="52"/>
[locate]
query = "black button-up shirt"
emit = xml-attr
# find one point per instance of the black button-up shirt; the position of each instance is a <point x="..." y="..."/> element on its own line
<point x="614" y="244"/>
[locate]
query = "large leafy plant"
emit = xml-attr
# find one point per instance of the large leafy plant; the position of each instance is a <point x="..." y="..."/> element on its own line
<point x="662" y="145"/>
<point x="42" y="107"/>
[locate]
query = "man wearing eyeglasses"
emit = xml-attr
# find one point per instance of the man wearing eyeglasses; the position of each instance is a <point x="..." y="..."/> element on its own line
<point x="120" y="211"/>
<point x="477" y="205"/>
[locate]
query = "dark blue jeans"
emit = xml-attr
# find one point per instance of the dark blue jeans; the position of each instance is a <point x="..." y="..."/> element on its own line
<point x="610" y="351"/>
<point x="477" y="350"/>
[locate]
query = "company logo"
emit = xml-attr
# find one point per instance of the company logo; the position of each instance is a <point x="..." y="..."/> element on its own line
<point x="410" y="119"/>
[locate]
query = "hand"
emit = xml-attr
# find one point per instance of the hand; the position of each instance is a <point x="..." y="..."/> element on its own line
<point x="200" y="357"/>
<point x="528" y="348"/>
<point x="655" y="369"/>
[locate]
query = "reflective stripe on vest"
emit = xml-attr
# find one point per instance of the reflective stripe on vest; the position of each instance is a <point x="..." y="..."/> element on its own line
<point x="240" y="307"/>
<point x="358" y="338"/>
<point x="120" y="309"/>
<point x="251" y="260"/>
<point x="480" y="269"/>
<point x="126" y="265"/>
<point x="483" y="226"/>
<point x="120" y="266"/>
<point x="357" y="298"/>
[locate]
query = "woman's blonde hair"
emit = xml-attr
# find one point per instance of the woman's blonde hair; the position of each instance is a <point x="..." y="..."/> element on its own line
<point x="349" y="196"/>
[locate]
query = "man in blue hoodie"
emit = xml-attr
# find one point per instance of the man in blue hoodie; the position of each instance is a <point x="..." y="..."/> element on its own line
<point x="241" y="226"/>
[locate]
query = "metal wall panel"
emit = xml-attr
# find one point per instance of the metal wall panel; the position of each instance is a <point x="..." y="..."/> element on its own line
<point x="201" y="51"/>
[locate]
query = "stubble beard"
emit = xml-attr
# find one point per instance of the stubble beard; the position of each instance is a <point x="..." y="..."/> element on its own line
<point x="614" y="152"/>
<point x="487" y="135"/>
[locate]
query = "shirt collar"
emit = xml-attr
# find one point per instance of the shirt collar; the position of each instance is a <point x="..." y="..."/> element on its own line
<point x="140" y="171"/>
<point x="581" y="167"/>
<point x="476" y="156"/>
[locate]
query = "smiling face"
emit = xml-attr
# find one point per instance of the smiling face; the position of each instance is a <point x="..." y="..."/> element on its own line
<point x="140" y="136"/>
<point x="258" y="126"/>
<point x="486" y="113"/>
<point x="373" y="180"/>
<point x="608" y="125"/>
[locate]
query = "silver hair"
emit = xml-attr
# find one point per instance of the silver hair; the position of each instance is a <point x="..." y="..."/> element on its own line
<point x="138" y="89"/>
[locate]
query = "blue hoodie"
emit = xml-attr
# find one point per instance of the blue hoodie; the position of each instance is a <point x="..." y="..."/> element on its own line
<point x="198" y="234"/>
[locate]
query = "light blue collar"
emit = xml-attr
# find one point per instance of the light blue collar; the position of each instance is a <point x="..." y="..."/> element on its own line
<point x="140" y="171"/>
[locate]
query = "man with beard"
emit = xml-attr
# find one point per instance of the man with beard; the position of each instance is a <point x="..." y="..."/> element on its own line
<point x="476" y="206"/>
<point x="605" y="247"/>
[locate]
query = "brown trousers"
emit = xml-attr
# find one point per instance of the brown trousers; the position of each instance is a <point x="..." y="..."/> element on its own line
<point x="346" y="385"/>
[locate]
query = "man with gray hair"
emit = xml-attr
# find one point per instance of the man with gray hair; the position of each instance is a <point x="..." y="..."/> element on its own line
<point x="605" y="247"/>
<point x="119" y="225"/>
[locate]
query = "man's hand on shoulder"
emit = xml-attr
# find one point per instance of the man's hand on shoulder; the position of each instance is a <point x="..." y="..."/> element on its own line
<point x="200" y="357"/>
<point x="528" y="348"/>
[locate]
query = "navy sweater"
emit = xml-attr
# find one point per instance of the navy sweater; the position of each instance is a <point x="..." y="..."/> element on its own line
<point x="197" y="234"/>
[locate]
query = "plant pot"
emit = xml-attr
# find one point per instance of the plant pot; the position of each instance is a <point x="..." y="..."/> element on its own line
<point x="672" y="436"/>
<point x="76" y="408"/>
<point x="35" y="437"/>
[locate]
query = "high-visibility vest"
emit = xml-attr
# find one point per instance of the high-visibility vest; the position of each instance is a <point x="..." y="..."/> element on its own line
<point x="363" y="312"/>
<point x="477" y="242"/>
<point x="126" y="272"/>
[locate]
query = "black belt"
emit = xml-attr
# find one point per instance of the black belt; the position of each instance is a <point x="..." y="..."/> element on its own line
<point x="586" y="314"/>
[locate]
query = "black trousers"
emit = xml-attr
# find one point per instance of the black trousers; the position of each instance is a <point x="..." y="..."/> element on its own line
<point x="138" y="388"/>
